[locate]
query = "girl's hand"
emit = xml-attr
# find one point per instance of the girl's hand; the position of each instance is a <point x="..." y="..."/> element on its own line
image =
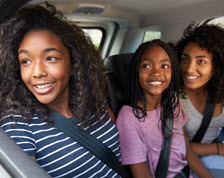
<point x="220" y="149"/>
<point x="207" y="149"/>
<point x="194" y="162"/>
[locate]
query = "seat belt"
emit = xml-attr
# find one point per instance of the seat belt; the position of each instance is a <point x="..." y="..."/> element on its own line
<point x="163" y="163"/>
<point x="207" y="117"/>
<point x="88" y="141"/>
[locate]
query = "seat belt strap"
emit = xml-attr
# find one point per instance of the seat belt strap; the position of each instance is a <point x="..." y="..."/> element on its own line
<point x="207" y="117"/>
<point x="88" y="141"/>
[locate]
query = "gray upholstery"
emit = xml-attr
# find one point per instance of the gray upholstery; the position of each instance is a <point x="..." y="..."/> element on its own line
<point x="16" y="162"/>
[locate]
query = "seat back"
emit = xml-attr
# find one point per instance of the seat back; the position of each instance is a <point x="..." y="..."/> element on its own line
<point x="116" y="66"/>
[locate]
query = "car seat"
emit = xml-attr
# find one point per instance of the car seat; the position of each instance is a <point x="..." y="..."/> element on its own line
<point x="116" y="68"/>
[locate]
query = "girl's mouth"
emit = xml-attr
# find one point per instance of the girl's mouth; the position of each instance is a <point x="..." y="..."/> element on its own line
<point x="190" y="79"/>
<point x="43" y="88"/>
<point x="155" y="83"/>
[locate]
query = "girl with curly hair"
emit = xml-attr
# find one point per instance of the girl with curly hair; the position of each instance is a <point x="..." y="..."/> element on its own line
<point x="153" y="90"/>
<point x="49" y="66"/>
<point x="201" y="55"/>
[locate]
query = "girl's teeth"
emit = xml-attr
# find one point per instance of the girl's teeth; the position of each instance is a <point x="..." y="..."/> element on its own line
<point x="44" y="86"/>
<point x="191" y="77"/>
<point x="155" y="83"/>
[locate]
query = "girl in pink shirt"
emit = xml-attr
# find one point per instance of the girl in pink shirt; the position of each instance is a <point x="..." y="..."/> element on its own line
<point x="153" y="92"/>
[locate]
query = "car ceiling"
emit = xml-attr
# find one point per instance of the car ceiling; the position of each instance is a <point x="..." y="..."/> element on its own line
<point x="146" y="12"/>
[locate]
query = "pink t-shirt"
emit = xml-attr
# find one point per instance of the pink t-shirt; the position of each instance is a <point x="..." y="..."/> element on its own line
<point x="142" y="141"/>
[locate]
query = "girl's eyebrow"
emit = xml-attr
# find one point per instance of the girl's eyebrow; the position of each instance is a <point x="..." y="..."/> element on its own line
<point x="162" y="60"/>
<point x="22" y="51"/>
<point x="200" y="56"/>
<point x="52" y="49"/>
<point x="45" y="50"/>
<point x="184" y="54"/>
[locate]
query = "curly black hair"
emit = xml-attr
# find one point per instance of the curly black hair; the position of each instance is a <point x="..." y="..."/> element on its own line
<point x="87" y="84"/>
<point x="170" y="96"/>
<point x="211" y="38"/>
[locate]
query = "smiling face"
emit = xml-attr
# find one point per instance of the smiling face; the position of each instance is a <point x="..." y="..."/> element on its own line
<point x="196" y="66"/>
<point x="45" y="67"/>
<point x="154" y="71"/>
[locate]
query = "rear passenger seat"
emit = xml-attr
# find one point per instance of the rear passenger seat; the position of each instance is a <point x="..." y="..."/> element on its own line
<point x="116" y="66"/>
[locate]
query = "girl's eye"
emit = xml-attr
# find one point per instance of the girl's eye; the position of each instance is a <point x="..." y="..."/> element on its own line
<point x="51" y="58"/>
<point x="184" y="59"/>
<point x="165" y="66"/>
<point x="146" y="66"/>
<point x="201" y="62"/>
<point x="25" y="61"/>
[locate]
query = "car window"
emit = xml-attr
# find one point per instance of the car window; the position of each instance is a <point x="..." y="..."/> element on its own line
<point x="218" y="21"/>
<point x="96" y="35"/>
<point x="151" y="35"/>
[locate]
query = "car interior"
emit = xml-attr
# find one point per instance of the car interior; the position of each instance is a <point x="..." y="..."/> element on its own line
<point x="116" y="28"/>
<point x="16" y="163"/>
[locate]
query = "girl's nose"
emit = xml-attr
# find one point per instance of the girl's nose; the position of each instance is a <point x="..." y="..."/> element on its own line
<point x="39" y="70"/>
<point x="191" y="67"/>
<point x="156" y="72"/>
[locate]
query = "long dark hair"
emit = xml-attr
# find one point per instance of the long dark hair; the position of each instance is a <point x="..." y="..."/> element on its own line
<point x="87" y="84"/>
<point x="170" y="96"/>
<point x="211" y="38"/>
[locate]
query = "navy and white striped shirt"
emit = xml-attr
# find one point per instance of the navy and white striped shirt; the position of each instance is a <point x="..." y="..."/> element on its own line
<point x="58" y="154"/>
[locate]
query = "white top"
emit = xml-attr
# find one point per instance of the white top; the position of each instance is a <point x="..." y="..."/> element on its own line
<point x="195" y="119"/>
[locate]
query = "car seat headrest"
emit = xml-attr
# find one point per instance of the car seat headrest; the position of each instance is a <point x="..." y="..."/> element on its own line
<point x="116" y="66"/>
